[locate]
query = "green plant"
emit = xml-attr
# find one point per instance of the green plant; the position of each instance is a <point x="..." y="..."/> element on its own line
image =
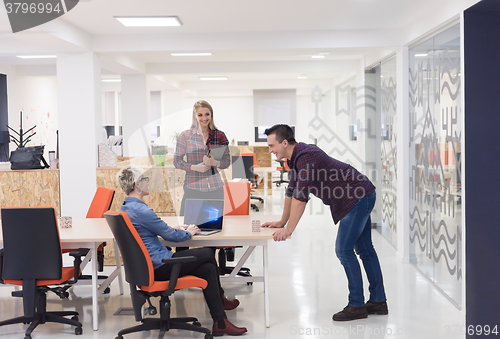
<point x="161" y="151"/>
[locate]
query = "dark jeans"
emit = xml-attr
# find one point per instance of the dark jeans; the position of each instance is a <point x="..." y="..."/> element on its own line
<point x="205" y="268"/>
<point x="355" y="234"/>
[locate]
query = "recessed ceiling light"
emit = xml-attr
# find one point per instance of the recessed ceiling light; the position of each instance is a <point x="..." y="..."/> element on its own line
<point x="421" y="55"/>
<point x="317" y="56"/>
<point x="190" y="54"/>
<point x="149" y="21"/>
<point x="214" y="78"/>
<point x="302" y="76"/>
<point x="324" y="53"/>
<point x="36" y="56"/>
<point x="111" y="80"/>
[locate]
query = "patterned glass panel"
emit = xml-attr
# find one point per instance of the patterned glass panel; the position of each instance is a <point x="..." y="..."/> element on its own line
<point x="435" y="148"/>
<point x="388" y="117"/>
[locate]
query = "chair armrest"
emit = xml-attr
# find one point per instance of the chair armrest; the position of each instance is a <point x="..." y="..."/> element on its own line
<point x="77" y="255"/>
<point x="174" y="275"/>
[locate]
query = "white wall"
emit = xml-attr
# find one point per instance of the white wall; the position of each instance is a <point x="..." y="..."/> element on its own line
<point x="37" y="98"/>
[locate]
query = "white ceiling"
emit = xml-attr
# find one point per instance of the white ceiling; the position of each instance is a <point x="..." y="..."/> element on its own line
<point x="248" y="39"/>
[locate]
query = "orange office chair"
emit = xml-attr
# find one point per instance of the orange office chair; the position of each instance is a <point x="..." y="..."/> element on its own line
<point x="236" y="202"/>
<point x="103" y="198"/>
<point x="139" y="274"/>
<point x="32" y="258"/>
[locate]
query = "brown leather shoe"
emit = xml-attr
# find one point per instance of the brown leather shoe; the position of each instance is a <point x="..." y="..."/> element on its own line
<point x="224" y="326"/>
<point x="230" y="304"/>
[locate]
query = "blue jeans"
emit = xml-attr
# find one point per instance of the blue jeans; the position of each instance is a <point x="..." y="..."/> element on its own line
<point x="354" y="234"/>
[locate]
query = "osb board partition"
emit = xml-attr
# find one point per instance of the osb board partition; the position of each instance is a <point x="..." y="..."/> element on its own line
<point x="165" y="185"/>
<point x="30" y="188"/>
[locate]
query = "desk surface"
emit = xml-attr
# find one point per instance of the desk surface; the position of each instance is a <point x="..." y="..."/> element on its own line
<point x="234" y="227"/>
<point x="84" y="230"/>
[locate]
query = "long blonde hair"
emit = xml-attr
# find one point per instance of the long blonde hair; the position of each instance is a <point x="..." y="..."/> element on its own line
<point x="205" y="104"/>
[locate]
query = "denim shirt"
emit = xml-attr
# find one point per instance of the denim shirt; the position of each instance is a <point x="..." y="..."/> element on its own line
<point x="150" y="226"/>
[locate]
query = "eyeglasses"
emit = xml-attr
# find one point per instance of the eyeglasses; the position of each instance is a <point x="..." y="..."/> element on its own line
<point x="146" y="179"/>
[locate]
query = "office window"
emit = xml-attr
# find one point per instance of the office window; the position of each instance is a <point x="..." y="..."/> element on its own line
<point x="273" y="107"/>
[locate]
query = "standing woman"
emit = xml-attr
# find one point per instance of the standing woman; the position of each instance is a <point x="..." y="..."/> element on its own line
<point x="194" y="155"/>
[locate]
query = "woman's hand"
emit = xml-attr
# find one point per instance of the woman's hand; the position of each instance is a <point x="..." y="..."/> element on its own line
<point x="209" y="161"/>
<point x="201" y="167"/>
<point x="178" y="227"/>
<point x="273" y="224"/>
<point x="193" y="229"/>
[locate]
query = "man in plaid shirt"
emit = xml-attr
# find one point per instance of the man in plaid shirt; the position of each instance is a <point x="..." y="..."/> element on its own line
<point x="350" y="196"/>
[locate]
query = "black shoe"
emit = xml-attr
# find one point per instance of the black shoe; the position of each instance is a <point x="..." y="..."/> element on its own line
<point x="351" y="313"/>
<point x="377" y="307"/>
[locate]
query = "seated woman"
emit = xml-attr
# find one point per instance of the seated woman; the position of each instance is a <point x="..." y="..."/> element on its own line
<point x="150" y="226"/>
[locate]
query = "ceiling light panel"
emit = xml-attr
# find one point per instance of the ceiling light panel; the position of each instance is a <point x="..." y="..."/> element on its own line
<point x="37" y="56"/>
<point x="190" y="54"/>
<point x="214" y="78"/>
<point x="149" y="21"/>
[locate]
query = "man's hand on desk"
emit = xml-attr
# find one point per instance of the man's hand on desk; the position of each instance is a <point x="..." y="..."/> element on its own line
<point x="282" y="234"/>
<point x="273" y="224"/>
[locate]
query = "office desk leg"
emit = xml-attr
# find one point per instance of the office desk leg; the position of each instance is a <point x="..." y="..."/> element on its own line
<point x="118" y="266"/>
<point x="95" y="306"/>
<point x="266" y="285"/>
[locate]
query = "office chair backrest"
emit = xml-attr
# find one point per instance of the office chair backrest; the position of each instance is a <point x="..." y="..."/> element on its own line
<point x="136" y="259"/>
<point x="236" y="198"/>
<point x="242" y="167"/>
<point x="101" y="202"/>
<point x="32" y="249"/>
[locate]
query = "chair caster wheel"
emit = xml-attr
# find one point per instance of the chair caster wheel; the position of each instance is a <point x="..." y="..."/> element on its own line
<point x="29" y="337"/>
<point x="250" y="283"/>
<point x="152" y="310"/>
<point x="119" y="337"/>
<point x="209" y="336"/>
<point x="64" y="295"/>
<point x="78" y="331"/>
<point x="196" y="323"/>
<point x="106" y="290"/>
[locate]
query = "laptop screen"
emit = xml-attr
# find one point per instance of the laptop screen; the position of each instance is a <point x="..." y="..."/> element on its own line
<point x="206" y="214"/>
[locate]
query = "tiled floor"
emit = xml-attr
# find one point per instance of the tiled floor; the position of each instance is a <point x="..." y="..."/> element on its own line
<point x="307" y="285"/>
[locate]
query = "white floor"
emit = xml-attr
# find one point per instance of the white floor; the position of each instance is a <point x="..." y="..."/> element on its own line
<point x="307" y="286"/>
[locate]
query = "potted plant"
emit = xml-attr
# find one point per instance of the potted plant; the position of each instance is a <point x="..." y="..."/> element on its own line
<point x="159" y="155"/>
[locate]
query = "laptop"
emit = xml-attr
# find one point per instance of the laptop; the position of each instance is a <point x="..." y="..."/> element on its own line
<point x="204" y="213"/>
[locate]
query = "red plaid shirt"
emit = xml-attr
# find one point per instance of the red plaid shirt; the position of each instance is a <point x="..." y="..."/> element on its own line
<point x="190" y="145"/>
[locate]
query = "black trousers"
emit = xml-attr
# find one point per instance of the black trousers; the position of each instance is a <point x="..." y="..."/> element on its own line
<point x="205" y="267"/>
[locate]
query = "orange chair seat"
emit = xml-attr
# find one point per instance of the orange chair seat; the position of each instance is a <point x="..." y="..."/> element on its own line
<point x="183" y="282"/>
<point x="67" y="274"/>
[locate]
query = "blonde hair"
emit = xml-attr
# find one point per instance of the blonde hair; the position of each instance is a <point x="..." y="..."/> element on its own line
<point x="205" y="104"/>
<point x="127" y="178"/>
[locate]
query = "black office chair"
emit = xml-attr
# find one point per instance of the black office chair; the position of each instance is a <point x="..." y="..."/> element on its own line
<point x="32" y="258"/>
<point x="139" y="273"/>
<point x="283" y="169"/>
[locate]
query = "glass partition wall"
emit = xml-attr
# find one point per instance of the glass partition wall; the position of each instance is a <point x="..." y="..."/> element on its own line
<point x="435" y="167"/>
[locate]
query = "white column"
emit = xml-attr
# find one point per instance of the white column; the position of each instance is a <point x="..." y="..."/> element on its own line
<point x="135" y="115"/>
<point x="403" y="162"/>
<point x="79" y="118"/>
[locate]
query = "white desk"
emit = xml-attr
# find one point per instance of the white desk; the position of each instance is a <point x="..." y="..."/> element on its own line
<point x="263" y="172"/>
<point x="237" y="231"/>
<point x="90" y="233"/>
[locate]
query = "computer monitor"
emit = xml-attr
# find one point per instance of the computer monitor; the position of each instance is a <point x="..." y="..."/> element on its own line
<point x="243" y="167"/>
